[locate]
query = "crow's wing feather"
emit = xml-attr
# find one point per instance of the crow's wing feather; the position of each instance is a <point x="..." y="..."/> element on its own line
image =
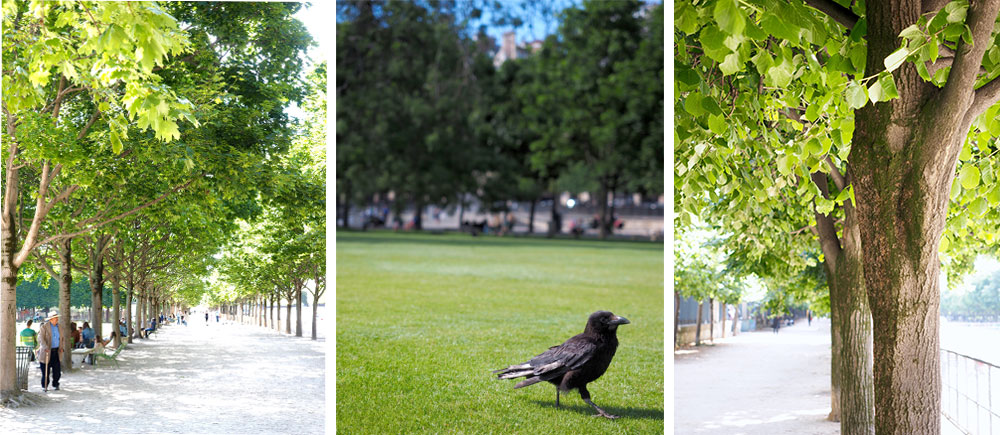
<point x="572" y="354"/>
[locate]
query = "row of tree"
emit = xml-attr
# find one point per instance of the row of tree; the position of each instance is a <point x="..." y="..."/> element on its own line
<point x="136" y="136"/>
<point x="982" y="301"/>
<point x="424" y="114"/>
<point x="861" y="138"/>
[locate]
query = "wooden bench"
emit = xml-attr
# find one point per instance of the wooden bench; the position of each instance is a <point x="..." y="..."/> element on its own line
<point x="113" y="357"/>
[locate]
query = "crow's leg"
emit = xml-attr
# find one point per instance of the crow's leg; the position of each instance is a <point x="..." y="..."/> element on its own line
<point x="586" y="398"/>
<point x="557" y="396"/>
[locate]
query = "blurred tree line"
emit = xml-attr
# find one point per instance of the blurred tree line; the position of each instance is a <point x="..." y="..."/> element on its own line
<point x="982" y="300"/>
<point x="32" y="294"/>
<point x="423" y="112"/>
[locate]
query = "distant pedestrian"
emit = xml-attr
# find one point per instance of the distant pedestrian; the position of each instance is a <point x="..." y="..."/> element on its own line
<point x="776" y="324"/>
<point x="48" y="339"/>
<point x="809" y="318"/>
<point x="206" y="318"/>
<point x="216" y="317"/>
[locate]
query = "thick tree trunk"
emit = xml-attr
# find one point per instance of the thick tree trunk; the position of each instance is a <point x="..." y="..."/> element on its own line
<point x="298" y="308"/>
<point x="857" y="391"/>
<point x="903" y="156"/>
<point x="697" y="328"/>
<point x="8" y="367"/>
<point x="65" y="248"/>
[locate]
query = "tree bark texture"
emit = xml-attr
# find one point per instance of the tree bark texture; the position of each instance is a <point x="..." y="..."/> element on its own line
<point x="697" y="328"/>
<point x="298" y="308"/>
<point x="65" y="249"/>
<point x="903" y="158"/>
<point x="711" y="319"/>
<point x="8" y="312"/>
<point x="97" y="285"/>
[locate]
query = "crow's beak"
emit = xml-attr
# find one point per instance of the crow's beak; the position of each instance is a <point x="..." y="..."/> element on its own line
<point x="619" y="320"/>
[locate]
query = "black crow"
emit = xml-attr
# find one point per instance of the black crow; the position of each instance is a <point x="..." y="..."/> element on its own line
<point x="575" y="363"/>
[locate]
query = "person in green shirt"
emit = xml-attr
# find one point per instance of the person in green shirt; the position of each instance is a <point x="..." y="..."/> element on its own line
<point x="30" y="338"/>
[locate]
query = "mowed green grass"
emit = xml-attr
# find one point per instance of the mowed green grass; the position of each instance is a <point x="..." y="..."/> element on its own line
<point x="422" y="319"/>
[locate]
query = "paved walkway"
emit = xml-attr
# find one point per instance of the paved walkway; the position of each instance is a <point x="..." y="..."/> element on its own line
<point x="756" y="383"/>
<point x="196" y="379"/>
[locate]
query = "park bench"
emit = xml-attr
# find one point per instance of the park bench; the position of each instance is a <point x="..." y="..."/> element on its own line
<point x="82" y="354"/>
<point x="113" y="357"/>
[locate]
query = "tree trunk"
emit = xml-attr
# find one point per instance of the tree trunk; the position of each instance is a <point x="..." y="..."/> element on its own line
<point x="346" y="206"/>
<point x="531" y="216"/>
<point x="288" y="316"/>
<point x="65" y="248"/>
<point x="723" y="318"/>
<point x="298" y="308"/>
<point x="9" y="387"/>
<point x="555" y="224"/>
<point x="711" y="320"/>
<point x="116" y="314"/>
<point x="418" y="218"/>
<point x="315" y="308"/>
<point x="697" y="328"/>
<point x="602" y="202"/>
<point x="129" y="297"/>
<point x="97" y="291"/>
<point x="857" y="393"/>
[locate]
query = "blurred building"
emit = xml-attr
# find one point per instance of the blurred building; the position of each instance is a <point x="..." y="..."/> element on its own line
<point x="510" y="50"/>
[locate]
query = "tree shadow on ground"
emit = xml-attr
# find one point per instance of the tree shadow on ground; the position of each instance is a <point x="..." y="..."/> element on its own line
<point x="626" y="412"/>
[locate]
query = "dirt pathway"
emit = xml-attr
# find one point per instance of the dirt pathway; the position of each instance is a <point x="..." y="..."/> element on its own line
<point x="756" y="383"/>
<point x="194" y="379"/>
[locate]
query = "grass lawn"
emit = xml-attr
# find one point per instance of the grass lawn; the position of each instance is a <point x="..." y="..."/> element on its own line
<point x="422" y="319"/>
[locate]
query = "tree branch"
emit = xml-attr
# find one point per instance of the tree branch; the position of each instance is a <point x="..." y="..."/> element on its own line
<point x="825" y="227"/>
<point x="93" y="119"/>
<point x="956" y="97"/>
<point x="840" y="14"/>
<point x="121" y="216"/>
<point x="838" y="178"/>
<point x="45" y="265"/>
<point x="986" y="96"/>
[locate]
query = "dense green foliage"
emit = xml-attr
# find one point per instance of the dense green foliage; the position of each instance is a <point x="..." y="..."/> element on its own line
<point x="421" y="321"/>
<point x="424" y="114"/>
<point x="31" y="294"/>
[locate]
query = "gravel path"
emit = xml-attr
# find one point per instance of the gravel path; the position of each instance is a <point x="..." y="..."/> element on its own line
<point x="195" y="379"/>
<point x="756" y="383"/>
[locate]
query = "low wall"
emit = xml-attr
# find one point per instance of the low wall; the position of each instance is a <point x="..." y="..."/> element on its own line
<point x="686" y="333"/>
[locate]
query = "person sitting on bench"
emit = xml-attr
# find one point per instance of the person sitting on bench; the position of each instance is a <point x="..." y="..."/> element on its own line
<point x="151" y="328"/>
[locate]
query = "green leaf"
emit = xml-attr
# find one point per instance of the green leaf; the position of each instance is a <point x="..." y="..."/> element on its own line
<point x="856" y="97"/>
<point x="731" y="64"/>
<point x="978" y="207"/>
<point x="717" y="124"/>
<point x="779" y="76"/>
<point x="713" y="41"/>
<point x="969" y="177"/>
<point x="888" y="86"/>
<point x="780" y="29"/>
<point x="994" y="196"/>
<point x="692" y="104"/>
<point x="812" y="112"/>
<point x="813" y="147"/>
<point x="896" y="59"/>
<point x="729" y="16"/>
<point x="956" y="189"/>
<point x="966" y="153"/>
<point x="686" y="18"/>
<point x="116" y="142"/>
<point x="945" y="244"/>
<point x="784" y="165"/>
<point x="875" y="92"/>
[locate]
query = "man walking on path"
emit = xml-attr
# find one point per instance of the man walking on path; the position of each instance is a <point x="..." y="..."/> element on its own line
<point x="776" y="324"/>
<point x="48" y="337"/>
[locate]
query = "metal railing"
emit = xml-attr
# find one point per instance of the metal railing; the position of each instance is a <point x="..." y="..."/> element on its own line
<point x="967" y="387"/>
